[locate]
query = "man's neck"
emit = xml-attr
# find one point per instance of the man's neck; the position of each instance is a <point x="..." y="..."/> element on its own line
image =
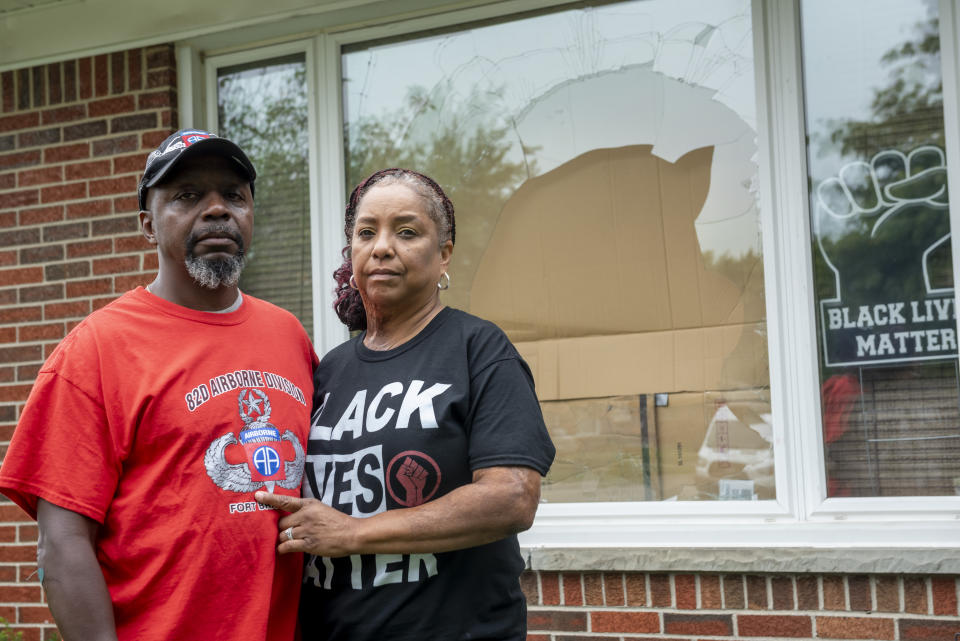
<point x="193" y="295"/>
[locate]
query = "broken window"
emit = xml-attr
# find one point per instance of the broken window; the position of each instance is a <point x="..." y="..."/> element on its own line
<point x="602" y="162"/>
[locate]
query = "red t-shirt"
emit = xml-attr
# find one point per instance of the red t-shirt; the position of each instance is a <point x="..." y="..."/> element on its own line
<point x="160" y="422"/>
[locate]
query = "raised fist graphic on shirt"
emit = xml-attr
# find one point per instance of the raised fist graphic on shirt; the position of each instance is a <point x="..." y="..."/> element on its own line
<point x="877" y="224"/>
<point x="413" y="477"/>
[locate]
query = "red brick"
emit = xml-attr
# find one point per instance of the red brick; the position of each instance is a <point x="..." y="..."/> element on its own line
<point x="613" y="589"/>
<point x="854" y="628"/>
<point x="76" y="151"/>
<point x="566" y="620"/>
<point x="90" y="287"/>
<point x="808" y="593"/>
<point x="41" y="254"/>
<point x="132" y="163"/>
<point x="619" y="621"/>
<point x="127" y="244"/>
<point x="23" y="88"/>
<point x="67" y="231"/>
<point x="160" y="57"/>
<point x="538" y="637"/>
<point x="97" y="303"/>
<point x="49" y="347"/>
<point x="8" y="219"/>
<point x="88" y="129"/>
<point x="915" y="595"/>
<point x="572" y="592"/>
<point x="711" y="597"/>
<point x="39" y="215"/>
<point x="39" y="86"/>
<point x="116" y="265"/>
<point x="550" y="588"/>
<point x="126" y="204"/>
<point x="152" y="139"/>
<point x="22" y="198"/>
<point x="8" y="258"/>
<point x="660" y="594"/>
<point x="685" y="591"/>
<point x="28" y="373"/>
<point x="151" y="263"/>
<point x="782" y="588"/>
<point x="69" y="80"/>
<point x="944" y="595"/>
<point x="774" y="625"/>
<point x="636" y="589"/>
<point x="40" y="293"/>
<point x="8" y="335"/>
<point x="68" y="191"/>
<point x="19" y="121"/>
<point x="8" y="574"/>
<point x="90" y="248"/>
<point x="40" y="176"/>
<point x="101" y="75"/>
<point x="49" y="331"/>
<point x="167" y="118"/>
<point x="10" y="513"/>
<point x="13" y="394"/>
<point x="927" y="629"/>
<point x="90" y="169"/>
<point x="39" y="138"/>
<point x="115" y="145"/>
<point x="757" y="592"/>
<point x="17" y="553"/>
<point x="8" y="180"/>
<point x="89" y="208"/>
<point x="6" y="83"/>
<point x="20" y="593"/>
<point x="35" y="614"/>
<point x="135" y="122"/>
<point x="111" y="106"/>
<point x="834" y="595"/>
<point x="63" y="114"/>
<point x="858" y="588"/>
<point x="698" y="624"/>
<point x="54" y="86"/>
<point x="72" y="309"/>
<point x="593" y="588"/>
<point x="108" y="186"/>
<point x="20" y="159"/>
<point x="21" y="275"/>
<point x="117" y="74"/>
<point x="116" y="225"/>
<point x="20" y="314"/>
<point x="134" y="69"/>
<point x="528" y="583"/>
<point x="85" y="78"/>
<point x="155" y="100"/>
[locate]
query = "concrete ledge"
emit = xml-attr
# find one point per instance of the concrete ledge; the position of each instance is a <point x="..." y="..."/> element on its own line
<point x="747" y="560"/>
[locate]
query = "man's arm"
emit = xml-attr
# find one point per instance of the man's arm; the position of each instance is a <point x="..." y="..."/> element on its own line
<point x="499" y="502"/>
<point x="71" y="575"/>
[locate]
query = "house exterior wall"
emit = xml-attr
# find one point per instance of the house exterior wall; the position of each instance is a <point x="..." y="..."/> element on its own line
<point x="73" y="140"/>
<point x="74" y="137"/>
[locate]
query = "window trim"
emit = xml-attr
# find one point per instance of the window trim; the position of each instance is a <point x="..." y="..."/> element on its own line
<point x="801" y="516"/>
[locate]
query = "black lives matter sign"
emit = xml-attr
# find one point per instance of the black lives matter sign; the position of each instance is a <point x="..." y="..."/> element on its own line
<point x="883" y="232"/>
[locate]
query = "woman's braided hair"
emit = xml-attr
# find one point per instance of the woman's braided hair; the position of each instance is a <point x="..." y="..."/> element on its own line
<point x="347" y="301"/>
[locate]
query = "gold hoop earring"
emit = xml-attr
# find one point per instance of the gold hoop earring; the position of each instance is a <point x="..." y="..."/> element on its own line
<point x="441" y="286"/>
<point x="352" y="282"/>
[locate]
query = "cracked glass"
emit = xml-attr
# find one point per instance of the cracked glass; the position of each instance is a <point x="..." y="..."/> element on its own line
<point x="881" y="247"/>
<point x="602" y="162"/>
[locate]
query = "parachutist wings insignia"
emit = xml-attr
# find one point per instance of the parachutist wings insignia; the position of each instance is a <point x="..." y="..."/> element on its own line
<point x="235" y="478"/>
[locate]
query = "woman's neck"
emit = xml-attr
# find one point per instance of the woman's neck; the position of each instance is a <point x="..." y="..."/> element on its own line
<point x="386" y="331"/>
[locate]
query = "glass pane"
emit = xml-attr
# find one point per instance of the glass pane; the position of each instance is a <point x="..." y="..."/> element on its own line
<point x="602" y="164"/>
<point x="881" y="248"/>
<point x="263" y="108"/>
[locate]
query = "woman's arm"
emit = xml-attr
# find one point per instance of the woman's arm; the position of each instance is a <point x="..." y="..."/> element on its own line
<point x="499" y="502"/>
<point x="71" y="575"/>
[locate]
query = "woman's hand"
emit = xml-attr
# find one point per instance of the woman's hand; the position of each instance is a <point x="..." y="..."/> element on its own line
<point x="317" y="528"/>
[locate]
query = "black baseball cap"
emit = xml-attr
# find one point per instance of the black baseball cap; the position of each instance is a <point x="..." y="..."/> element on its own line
<point x="186" y="143"/>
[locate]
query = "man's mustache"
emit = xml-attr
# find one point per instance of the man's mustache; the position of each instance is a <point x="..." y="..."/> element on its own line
<point x="219" y="231"/>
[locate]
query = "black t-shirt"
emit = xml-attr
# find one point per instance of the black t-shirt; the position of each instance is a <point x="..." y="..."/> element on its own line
<point x="394" y="429"/>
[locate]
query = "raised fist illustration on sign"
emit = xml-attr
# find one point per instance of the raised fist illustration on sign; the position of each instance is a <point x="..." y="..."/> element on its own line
<point x="877" y="224"/>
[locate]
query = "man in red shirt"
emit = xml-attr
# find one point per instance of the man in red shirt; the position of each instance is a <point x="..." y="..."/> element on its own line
<point x="156" y="419"/>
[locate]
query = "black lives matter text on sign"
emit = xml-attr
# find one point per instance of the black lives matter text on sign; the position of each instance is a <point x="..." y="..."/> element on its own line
<point x="897" y="331"/>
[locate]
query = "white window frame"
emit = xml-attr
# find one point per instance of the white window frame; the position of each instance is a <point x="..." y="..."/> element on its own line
<point x="801" y="517"/>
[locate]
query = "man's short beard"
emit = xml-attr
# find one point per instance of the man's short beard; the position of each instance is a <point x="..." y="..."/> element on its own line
<point x="214" y="272"/>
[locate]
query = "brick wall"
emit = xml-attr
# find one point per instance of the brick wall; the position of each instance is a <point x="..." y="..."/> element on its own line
<point x="74" y="137"/>
<point x="575" y="606"/>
